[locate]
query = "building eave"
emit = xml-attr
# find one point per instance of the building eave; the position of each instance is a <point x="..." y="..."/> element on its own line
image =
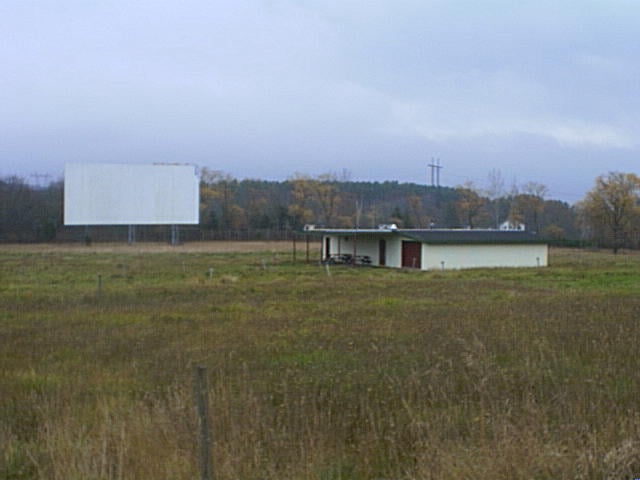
<point x="443" y="236"/>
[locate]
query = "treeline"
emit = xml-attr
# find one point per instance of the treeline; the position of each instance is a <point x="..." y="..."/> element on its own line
<point x="259" y="209"/>
<point x="328" y="200"/>
<point x="610" y="212"/>
<point x="29" y="213"/>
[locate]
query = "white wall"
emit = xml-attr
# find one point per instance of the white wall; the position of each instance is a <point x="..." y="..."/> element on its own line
<point x="394" y="252"/>
<point x="478" y="256"/>
<point x="119" y="194"/>
<point x="362" y="245"/>
<point x="453" y="256"/>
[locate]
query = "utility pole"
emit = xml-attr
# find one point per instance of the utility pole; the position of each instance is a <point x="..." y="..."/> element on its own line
<point x="435" y="171"/>
<point x="41" y="179"/>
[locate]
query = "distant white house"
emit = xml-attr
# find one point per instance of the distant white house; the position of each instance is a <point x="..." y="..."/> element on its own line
<point x="434" y="249"/>
<point x="510" y="225"/>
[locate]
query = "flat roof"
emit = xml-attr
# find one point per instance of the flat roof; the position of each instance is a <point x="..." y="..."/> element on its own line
<point x="443" y="236"/>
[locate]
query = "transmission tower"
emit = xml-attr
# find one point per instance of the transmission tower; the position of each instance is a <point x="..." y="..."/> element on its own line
<point x="435" y="171"/>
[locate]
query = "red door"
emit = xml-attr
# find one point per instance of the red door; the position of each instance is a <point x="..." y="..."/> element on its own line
<point x="411" y="254"/>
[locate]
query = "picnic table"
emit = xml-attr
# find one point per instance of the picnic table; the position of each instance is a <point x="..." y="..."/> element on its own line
<point x="348" y="259"/>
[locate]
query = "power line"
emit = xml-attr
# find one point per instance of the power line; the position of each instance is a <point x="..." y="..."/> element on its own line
<point x="40" y="179"/>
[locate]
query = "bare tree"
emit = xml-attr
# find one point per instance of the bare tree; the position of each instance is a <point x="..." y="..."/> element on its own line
<point x="535" y="194"/>
<point x="495" y="191"/>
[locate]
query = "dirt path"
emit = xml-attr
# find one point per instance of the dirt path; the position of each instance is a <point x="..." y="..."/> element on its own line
<point x="200" y="247"/>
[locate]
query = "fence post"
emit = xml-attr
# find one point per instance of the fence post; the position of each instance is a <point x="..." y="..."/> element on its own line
<point x="99" y="286"/>
<point x="307" y="240"/>
<point x="202" y="407"/>
<point x="294" y="247"/>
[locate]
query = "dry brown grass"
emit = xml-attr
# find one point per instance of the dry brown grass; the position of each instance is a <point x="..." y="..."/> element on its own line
<point x="152" y="247"/>
<point x="368" y="374"/>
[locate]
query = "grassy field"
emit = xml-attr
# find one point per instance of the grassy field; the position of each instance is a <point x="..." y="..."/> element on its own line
<point x="351" y="373"/>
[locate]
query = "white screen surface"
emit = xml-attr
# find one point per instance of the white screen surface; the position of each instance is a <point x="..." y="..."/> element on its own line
<point x="120" y="194"/>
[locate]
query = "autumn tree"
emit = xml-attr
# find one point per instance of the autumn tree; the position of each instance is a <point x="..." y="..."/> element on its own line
<point x="527" y="205"/>
<point x="217" y="200"/>
<point x="300" y="209"/>
<point x="314" y="199"/>
<point x="559" y="221"/>
<point x="416" y="211"/>
<point x="325" y="193"/>
<point x="469" y="204"/>
<point x="256" y="207"/>
<point x="610" y="210"/>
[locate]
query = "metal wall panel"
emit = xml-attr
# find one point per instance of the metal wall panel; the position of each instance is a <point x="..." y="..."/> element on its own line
<point x="120" y="194"/>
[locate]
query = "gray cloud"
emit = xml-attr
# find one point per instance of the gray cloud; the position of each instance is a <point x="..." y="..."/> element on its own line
<point x="538" y="90"/>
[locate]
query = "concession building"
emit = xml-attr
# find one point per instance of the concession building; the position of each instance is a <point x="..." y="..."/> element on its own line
<point x="432" y="249"/>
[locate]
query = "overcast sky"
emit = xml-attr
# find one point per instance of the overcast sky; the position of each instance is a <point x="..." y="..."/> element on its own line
<point x="544" y="91"/>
